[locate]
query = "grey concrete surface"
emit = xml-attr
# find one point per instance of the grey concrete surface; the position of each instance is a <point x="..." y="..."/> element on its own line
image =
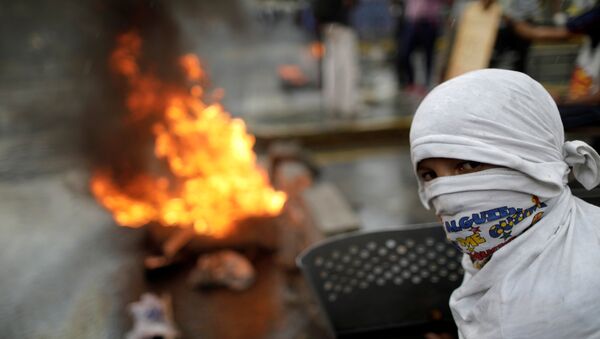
<point x="379" y="184"/>
<point x="65" y="270"/>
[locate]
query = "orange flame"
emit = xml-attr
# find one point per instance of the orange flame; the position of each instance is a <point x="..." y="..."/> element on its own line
<point x="214" y="181"/>
<point x="317" y="49"/>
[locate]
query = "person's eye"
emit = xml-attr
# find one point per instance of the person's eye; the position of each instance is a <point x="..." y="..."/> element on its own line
<point x="468" y="166"/>
<point x="428" y="175"/>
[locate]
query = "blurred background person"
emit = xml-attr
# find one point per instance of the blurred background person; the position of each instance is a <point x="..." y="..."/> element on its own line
<point x="580" y="105"/>
<point x="420" y="29"/>
<point x="511" y="49"/>
<point x="340" y="74"/>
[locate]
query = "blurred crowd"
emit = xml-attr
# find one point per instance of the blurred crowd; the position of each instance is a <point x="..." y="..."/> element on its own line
<point x="424" y="32"/>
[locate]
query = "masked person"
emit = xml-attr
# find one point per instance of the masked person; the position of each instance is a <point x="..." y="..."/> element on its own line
<point x="489" y="152"/>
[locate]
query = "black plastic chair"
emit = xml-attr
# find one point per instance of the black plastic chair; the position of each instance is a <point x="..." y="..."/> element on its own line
<point x="385" y="284"/>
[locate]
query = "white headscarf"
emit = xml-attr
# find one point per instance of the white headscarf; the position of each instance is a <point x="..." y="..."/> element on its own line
<point x="546" y="282"/>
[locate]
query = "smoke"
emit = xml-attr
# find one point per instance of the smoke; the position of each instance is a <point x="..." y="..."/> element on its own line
<point x="113" y="141"/>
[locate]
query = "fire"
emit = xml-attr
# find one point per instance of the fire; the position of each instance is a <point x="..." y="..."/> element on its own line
<point x="213" y="180"/>
<point x="317" y="49"/>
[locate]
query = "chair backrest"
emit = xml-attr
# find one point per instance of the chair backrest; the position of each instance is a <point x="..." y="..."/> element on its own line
<point x="383" y="281"/>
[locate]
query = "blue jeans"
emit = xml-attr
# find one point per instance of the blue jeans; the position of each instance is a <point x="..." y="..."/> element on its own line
<point x="414" y="34"/>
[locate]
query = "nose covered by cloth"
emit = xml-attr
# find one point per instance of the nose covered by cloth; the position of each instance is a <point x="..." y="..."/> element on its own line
<point x="483" y="211"/>
<point x="541" y="280"/>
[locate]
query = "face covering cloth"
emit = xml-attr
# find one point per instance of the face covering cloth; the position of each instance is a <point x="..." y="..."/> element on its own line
<point x="480" y="219"/>
<point x="542" y="280"/>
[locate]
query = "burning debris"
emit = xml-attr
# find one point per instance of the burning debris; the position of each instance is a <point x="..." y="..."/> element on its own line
<point x="170" y="248"/>
<point x="224" y="268"/>
<point x="196" y="187"/>
<point x="205" y="176"/>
